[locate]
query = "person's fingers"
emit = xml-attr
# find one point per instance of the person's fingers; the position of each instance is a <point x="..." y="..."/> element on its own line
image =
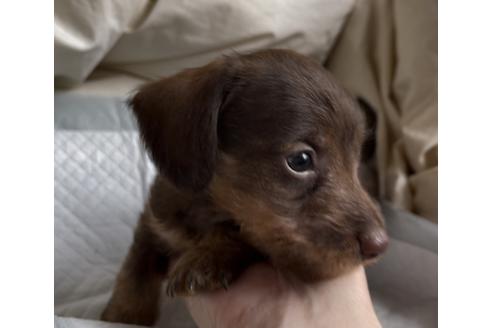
<point x="257" y="293"/>
<point x="203" y="312"/>
<point x="263" y="297"/>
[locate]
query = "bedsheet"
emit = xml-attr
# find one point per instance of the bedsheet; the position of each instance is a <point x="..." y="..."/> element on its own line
<point x="102" y="175"/>
<point x="160" y="38"/>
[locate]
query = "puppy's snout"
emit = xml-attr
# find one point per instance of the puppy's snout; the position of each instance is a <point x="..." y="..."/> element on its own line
<point x="373" y="243"/>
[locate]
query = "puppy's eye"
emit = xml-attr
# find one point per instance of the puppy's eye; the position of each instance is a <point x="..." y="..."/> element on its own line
<point x="300" y="162"/>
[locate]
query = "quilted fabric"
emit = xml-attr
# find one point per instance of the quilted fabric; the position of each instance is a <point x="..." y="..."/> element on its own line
<point x="101" y="178"/>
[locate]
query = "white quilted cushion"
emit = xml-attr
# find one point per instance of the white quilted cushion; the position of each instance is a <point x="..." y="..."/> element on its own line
<point x="100" y="183"/>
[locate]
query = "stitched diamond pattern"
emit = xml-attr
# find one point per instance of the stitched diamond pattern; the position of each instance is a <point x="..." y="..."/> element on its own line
<point x="101" y="181"/>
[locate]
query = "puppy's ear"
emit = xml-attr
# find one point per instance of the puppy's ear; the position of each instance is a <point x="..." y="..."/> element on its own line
<point x="177" y="118"/>
<point x="371" y="120"/>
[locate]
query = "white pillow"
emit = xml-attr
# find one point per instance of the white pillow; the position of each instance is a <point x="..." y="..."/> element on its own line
<point x="159" y="38"/>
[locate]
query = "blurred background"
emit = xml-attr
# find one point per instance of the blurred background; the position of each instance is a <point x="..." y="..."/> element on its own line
<point x="382" y="51"/>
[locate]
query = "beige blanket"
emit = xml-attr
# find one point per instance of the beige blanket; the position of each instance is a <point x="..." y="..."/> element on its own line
<point x="387" y="54"/>
<point x="151" y="39"/>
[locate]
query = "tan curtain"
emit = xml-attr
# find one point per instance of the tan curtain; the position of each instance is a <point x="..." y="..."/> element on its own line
<point x="387" y="54"/>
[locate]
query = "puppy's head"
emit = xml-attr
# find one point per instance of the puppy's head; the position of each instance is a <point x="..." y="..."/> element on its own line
<point x="276" y="143"/>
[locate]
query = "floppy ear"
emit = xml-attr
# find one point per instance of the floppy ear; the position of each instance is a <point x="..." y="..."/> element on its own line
<point x="371" y="121"/>
<point x="177" y="118"/>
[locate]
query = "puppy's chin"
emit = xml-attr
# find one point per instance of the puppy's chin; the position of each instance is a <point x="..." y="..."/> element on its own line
<point x="369" y="262"/>
<point x="313" y="266"/>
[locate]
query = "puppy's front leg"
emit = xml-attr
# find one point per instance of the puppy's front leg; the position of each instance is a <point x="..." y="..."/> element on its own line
<point x="135" y="298"/>
<point x="217" y="259"/>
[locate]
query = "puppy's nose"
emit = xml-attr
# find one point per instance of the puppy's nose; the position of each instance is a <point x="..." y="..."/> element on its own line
<point x="373" y="243"/>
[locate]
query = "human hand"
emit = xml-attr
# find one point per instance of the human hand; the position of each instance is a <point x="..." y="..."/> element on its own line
<point x="263" y="297"/>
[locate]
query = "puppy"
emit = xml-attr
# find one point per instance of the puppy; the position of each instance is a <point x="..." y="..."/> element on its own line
<point x="257" y="157"/>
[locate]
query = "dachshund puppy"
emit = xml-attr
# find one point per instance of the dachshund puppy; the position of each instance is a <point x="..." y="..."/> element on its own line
<point x="257" y="157"/>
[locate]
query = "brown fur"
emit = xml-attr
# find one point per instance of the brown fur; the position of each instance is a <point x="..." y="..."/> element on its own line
<point x="224" y="198"/>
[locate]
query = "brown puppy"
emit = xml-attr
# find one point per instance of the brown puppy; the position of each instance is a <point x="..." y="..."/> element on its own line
<point x="258" y="157"/>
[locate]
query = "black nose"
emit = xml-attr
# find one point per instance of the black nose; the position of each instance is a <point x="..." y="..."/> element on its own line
<point x="373" y="243"/>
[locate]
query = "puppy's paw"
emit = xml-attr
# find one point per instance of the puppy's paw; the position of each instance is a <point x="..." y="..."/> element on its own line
<point x="197" y="272"/>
